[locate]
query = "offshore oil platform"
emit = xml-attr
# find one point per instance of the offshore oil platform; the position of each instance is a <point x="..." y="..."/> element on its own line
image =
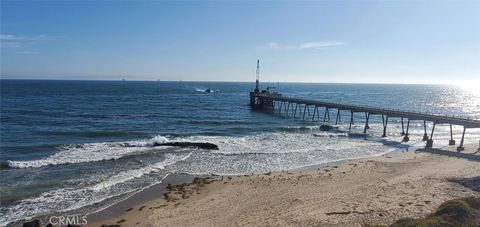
<point x="275" y="103"/>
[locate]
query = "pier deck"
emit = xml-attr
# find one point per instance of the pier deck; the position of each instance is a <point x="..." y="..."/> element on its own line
<point x="276" y="103"/>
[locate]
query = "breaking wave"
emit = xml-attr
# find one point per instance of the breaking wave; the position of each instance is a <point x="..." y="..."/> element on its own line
<point x="74" y="198"/>
<point x="91" y="152"/>
<point x="236" y="155"/>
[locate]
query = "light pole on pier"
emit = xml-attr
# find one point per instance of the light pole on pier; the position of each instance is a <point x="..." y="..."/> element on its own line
<point x="257" y="89"/>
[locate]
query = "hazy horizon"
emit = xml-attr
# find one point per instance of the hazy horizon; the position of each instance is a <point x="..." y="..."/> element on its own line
<point x="462" y="84"/>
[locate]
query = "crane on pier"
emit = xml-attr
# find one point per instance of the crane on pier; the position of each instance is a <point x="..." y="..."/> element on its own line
<point x="257" y="89"/>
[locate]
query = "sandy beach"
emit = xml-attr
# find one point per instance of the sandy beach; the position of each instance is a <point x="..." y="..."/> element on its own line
<point x="369" y="191"/>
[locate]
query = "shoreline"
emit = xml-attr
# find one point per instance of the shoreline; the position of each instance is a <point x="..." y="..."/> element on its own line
<point x="181" y="204"/>
<point x="150" y="193"/>
<point x="157" y="190"/>
<point x="107" y="209"/>
<point x="117" y="208"/>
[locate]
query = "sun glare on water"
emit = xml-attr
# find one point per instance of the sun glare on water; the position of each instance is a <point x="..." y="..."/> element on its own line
<point x="471" y="86"/>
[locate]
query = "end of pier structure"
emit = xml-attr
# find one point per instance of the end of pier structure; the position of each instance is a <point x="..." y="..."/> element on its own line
<point x="256" y="100"/>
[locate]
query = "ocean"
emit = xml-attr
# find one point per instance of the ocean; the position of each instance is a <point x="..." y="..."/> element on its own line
<point x="68" y="145"/>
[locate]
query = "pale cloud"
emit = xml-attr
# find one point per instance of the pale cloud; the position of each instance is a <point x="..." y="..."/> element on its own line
<point x="22" y="52"/>
<point x="20" y="44"/>
<point x="8" y="41"/>
<point x="6" y="37"/>
<point x="303" y="46"/>
<point x="10" y="37"/>
<point x="27" y="52"/>
<point x="10" y="45"/>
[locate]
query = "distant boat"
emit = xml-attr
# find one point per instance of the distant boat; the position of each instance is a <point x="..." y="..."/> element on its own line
<point x="208" y="90"/>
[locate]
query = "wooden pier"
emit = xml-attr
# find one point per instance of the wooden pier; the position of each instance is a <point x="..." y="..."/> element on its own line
<point x="298" y="108"/>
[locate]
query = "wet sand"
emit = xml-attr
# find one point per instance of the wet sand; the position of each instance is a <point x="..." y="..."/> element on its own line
<point x="376" y="190"/>
<point x="140" y="198"/>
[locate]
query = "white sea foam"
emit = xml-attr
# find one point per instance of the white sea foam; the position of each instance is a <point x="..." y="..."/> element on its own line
<point x="236" y="155"/>
<point x="273" y="142"/>
<point x="280" y="151"/>
<point x="259" y="143"/>
<point x="136" y="173"/>
<point x="91" y="152"/>
<point x="65" y="199"/>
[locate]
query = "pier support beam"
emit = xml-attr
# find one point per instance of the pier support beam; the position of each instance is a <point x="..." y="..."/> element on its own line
<point x="385" y="123"/>
<point x="406" y="138"/>
<point x="288" y="108"/>
<point x="304" y="111"/>
<point x="300" y="110"/>
<point x="403" y="131"/>
<point x="315" y="110"/>
<point x="295" y="111"/>
<point x="337" y="119"/>
<point x="351" y="120"/>
<point x="327" y="113"/>
<point x="461" y="148"/>
<point x="280" y="108"/>
<point x="367" y="116"/>
<point x="451" y="141"/>
<point x="318" y="113"/>
<point x="430" y="141"/>
<point x="425" y="136"/>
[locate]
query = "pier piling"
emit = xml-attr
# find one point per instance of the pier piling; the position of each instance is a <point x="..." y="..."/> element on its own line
<point x="295" y="111"/>
<point x="288" y="108"/>
<point x="351" y="120"/>
<point x="403" y="131"/>
<point x="270" y="102"/>
<point x="425" y="136"/>
<point x="318" y="113"/>
<point x="326" y="114"/>
<point x="304" y="111"/>
<point x="385" y="123"/>
<point x="461" y="148"/>
<point x="451" y="141"/>
<point x="430" y="141"/>
<point x="367" y="116"/>
<point x="406" y="138"/>
<point x="337" y="119"/>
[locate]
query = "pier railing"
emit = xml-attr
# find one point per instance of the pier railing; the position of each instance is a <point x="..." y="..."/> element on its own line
<point x="289" y="106"/>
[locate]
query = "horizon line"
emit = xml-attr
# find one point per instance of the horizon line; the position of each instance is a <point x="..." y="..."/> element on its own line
<point x="228" y="81"/>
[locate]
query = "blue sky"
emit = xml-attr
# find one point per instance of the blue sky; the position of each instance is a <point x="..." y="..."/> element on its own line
<point x="370" y="42"/>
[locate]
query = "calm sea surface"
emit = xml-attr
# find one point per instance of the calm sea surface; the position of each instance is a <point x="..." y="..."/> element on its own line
<point x="69" y="144"/>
